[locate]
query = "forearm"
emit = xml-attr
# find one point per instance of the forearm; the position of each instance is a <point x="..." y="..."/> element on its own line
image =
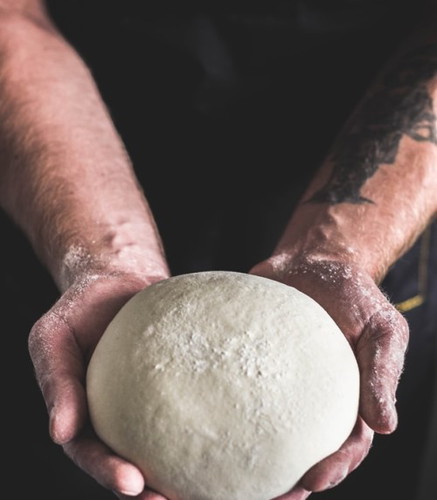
<point x="377" y="189"/>
<point x="65" y="176"/>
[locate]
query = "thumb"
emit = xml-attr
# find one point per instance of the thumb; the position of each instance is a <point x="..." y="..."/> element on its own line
<point x="57" y="361"/>
<point x="381" y="354"/>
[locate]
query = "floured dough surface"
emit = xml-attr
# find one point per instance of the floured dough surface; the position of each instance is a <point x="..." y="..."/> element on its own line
<point x="223" y="386"/>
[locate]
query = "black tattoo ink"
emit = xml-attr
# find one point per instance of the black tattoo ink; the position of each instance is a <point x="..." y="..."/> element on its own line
<point x="400" y="105"/>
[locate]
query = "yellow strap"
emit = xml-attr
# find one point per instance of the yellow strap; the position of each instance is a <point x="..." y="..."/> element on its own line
<point x="410" y="303"/>
<point x="419" y="299"/>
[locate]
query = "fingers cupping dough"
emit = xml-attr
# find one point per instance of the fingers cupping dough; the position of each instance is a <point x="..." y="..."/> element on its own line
<point x="109" y="470"/>
<point x="333" y="469"/>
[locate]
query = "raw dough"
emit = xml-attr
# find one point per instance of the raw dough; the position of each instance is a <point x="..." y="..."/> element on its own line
<point x="223" y="386"/>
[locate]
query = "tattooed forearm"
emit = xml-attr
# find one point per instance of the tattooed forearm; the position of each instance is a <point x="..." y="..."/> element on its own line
<point x="400" y="105"/>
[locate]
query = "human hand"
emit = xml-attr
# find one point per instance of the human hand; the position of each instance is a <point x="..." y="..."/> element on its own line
<point x="60" y="345"/>
<point x="378" y="335"/>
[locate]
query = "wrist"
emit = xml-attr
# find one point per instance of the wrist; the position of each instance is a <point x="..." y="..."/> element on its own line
<point x="320" y="234"/>
<point x="368" y="236"/>
<point x="132" y="249"/>
<point x="139" y="264"/>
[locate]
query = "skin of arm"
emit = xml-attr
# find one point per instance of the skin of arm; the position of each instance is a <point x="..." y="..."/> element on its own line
<point x="67" y="182"/>
<point x="63" y="172"/>
<point x="371" y="199"/>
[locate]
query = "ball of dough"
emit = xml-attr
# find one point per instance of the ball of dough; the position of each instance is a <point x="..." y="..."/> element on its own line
<point x="223" y="386"/>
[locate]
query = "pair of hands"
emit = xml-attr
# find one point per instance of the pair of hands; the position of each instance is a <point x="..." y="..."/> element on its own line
<point x="62" y="341"/>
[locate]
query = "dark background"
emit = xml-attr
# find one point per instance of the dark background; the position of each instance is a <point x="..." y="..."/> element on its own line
<point x="214" y="158"/>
